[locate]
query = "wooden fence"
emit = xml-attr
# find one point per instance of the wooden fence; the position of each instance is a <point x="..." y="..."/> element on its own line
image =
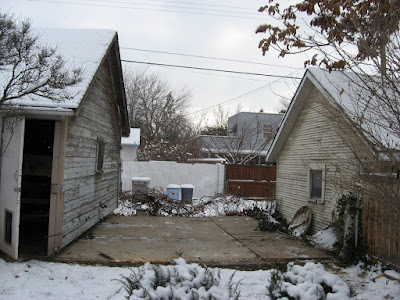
<point x="256" y="182"/>
<point x="381" y="230"/>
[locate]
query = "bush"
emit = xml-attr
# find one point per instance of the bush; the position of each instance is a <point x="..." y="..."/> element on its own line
<point x="310" y="281"/>
<point x="182" y="281"/>
<point x="346" y="247"/>
<point x="267" y="221"/>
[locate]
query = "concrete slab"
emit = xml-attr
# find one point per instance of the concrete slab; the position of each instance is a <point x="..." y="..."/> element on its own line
<point x="268" y="245"/>
<point x="218" y="241"/>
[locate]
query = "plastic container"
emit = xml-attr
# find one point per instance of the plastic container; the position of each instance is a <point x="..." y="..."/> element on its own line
<point x="140" y="184"/>
<point x="187" y="192"/>
<point x="173" y="192"/>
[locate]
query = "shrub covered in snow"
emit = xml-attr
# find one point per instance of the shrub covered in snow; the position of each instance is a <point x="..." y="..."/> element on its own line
<point x="324" y="239"/>
<point x="182" y="281"/>
<point x="310" y="282"/>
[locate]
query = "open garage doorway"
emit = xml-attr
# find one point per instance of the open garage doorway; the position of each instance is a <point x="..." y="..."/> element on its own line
<point x="36" y="187"/>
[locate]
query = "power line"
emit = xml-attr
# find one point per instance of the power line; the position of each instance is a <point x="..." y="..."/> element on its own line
<point x="219" y="75"/>
<point x="193" y="3"/>
<point x="233" y="99"/>
<point x="148" y="9"/>
<point x="208" y="69"/>
<point x="241" y="96"/>
<point x="179" y="7"/>
<point x="208" y="57"/>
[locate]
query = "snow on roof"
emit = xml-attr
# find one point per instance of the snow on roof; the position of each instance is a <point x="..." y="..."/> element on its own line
<point x="80" y="48"/>
<point x="233" y="144"/>
<point x="348" y="92"/>
<point x="257" y="116"/>
<point x="353" y="94"/>
<point x="133" y="139"/>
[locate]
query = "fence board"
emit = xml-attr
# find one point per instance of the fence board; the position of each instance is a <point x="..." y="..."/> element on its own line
<point x="381" y="230"/>
<point x="248" y="172"/>
<point x="251" y="181"/>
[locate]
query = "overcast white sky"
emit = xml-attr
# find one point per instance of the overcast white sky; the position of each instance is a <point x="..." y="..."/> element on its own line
<point x="218" y="28"/>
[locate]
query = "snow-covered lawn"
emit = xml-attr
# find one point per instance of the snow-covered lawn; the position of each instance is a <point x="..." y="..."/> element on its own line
<point x="45" y="280"/>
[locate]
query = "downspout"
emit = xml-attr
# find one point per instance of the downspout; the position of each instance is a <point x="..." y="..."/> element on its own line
<point x="217" y="178"/>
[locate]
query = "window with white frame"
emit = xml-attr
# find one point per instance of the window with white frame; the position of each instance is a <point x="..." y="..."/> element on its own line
<point x="316" y="183"/>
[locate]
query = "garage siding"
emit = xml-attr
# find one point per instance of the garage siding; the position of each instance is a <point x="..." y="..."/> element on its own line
<point x="90" y="196"/>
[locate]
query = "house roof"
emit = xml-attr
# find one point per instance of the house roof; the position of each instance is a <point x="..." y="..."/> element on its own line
<point x="342" y="89"/>
<point x="245" y="121"/>
<point x="133" y="139"/>
<point x="85" y="49"/>
<point x="228" y="144"/>
<point x="256" y="116"/>
<point x="216" y="143"/>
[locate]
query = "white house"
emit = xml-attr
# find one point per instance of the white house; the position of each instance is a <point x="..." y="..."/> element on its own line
<point x="319" y="148"/>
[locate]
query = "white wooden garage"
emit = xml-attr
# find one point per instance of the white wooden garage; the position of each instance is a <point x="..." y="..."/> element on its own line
<point x="60" y="167"/>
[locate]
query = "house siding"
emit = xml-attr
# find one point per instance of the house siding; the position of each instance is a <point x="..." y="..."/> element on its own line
<point x="319" y="137"/>
<point x="90" y="196"/>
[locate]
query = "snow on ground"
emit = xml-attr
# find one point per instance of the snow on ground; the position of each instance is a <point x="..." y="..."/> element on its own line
<point x="204" y="207"/>
<point x="324" y="239"/>
<point x="46" y="280"/>
<point x="361" y="281"/>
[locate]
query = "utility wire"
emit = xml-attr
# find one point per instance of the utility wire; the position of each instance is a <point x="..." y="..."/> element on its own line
<point x="192" y="3"/>
<point x="207" y="69"/>
<point x="241" y="96"/>
<point x="149" y="9"/>
<point x="208" y="57"/>
<point x="179" y="7"/>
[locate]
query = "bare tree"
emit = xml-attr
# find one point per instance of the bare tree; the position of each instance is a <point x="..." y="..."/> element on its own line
<point x="219" y="124"/>
<point x="156" y="108"/>
<point x="29" y="68"/>
<point x="358" y="36"/>
<point x="283" y="105"/>
<point x="166" y="151"/>
<point x="161" y="114"/>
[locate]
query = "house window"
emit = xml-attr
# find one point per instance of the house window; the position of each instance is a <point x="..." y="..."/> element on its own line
<point x="234" y="129"/>
<point x="316" y="184"/>
<point x="267" y="133"/>
<point x="100" y="155"/>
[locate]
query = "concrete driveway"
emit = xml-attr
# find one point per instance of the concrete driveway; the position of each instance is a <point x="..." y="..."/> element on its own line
<point x="216" y="241"/>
